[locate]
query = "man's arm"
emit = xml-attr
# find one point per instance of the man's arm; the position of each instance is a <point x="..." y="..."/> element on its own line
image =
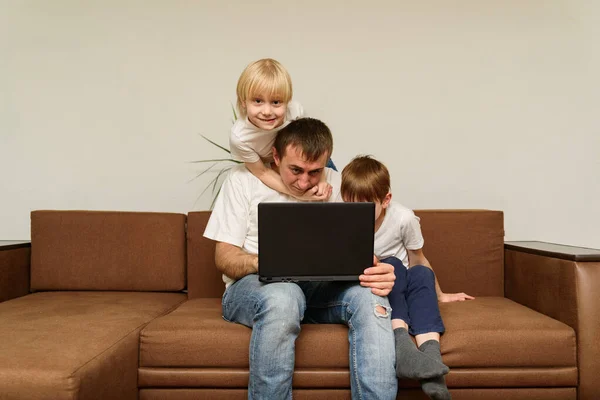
<point x="235" y="262"/>
<point x="416" y="257"/>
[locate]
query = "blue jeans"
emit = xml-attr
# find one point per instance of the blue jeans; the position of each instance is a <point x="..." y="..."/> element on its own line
<point x="274" y="311"/>
<point x="413" y="298"/>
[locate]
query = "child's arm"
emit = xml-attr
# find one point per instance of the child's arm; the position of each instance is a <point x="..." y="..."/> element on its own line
<point x="324" y="189"/>
<point x="273" y="180"/>
<point x="416" y="257"/>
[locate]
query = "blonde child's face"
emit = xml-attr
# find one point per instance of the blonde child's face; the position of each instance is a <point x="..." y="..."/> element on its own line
<point x="265" y="111"/>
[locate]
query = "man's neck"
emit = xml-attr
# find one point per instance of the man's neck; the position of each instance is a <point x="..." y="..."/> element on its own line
<point x="274" y="167"/>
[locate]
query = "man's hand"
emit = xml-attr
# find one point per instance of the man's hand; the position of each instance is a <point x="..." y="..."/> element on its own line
<point x="450" y="297"/>
<point x="380" y="278"/>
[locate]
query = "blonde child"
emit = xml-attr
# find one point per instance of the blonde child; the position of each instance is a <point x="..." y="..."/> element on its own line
<point x="414" y="298"/>
<point x="264" y="94"/>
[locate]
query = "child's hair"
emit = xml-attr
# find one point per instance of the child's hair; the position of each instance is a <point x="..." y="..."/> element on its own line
<point x="365" y="179"/>
<point x="312" y="136"/>
<point x="263" y="76"/>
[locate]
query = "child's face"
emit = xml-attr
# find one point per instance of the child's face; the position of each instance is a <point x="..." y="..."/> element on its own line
<point x="380" y="206"/>
<point x="265" y="111"/>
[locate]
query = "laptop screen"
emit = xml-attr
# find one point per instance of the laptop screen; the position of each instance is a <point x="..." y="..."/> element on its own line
<point x="314" y="241"/>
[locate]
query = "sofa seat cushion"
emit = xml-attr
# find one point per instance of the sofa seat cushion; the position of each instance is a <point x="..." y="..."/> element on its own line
<point x="75" y="345"/>
<point x="490" y="332"/>
<point x="498" y="332"/>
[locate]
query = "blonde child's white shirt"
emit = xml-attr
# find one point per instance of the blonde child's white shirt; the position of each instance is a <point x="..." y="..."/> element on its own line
<point x="399" y="232"/>
<point x="250" y="144"/>
<point x="234" y="219"/>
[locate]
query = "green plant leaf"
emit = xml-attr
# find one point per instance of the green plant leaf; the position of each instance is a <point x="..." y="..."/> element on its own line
<point x="215" y="144"/>
<point x="214" y="159"/>
<point x="235" y="117"/>
<point x="202" y="173"/>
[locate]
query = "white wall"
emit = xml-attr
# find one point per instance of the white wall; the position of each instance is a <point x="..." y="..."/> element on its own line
<point x="471" y="104"/>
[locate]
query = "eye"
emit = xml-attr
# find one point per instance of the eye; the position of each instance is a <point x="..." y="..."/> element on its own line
<point x="296" y="171"/>
<point x="315" y="172"/>
<point x="277" y="102"/>
<point x="257" y="101"/>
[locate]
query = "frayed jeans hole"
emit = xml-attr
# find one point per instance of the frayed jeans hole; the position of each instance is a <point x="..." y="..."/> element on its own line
<point x="382" y="311"/>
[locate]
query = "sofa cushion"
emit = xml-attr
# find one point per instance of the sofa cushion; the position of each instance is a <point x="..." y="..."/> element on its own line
<point x="105" y="250"/>
<point x="75" y="345"/>
<point x="489" y="332"/>
<point x="497" y="332"/>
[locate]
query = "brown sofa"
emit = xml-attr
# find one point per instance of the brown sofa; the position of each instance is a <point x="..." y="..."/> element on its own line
<point x="105" y="314"/>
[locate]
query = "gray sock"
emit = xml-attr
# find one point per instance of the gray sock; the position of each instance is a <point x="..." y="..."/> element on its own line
<point x="412" y="363"/>
<point x="435" y="387"/>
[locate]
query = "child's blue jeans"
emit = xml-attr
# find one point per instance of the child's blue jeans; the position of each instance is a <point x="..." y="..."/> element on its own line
<point x="413" y="298"/>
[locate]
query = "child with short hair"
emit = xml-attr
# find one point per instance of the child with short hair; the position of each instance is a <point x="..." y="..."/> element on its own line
<point x="414" y="297"/>
<point x="264" y="94"/>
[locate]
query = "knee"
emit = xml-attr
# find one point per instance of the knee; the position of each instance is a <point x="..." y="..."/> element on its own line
<point x="282" y="301"/>
<point x="393" y="261"/>
<point x="364" y="301"/>
<point x="421" y="273"/>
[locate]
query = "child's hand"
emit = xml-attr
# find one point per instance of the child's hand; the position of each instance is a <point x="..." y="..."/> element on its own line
<point x="323" y="190"/>
<point x="450" y="297"/>
<point x="320" y="192"/>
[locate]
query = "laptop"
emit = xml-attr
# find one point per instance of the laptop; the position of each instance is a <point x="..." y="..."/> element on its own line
<point x="314" y="241"/>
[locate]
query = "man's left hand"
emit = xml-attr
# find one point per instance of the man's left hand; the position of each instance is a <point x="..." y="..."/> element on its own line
<point x="380" y="278"/>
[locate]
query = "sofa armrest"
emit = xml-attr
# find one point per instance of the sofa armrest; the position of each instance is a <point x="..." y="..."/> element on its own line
<point x="562" y="282"/>
<point x="15" y="259"/>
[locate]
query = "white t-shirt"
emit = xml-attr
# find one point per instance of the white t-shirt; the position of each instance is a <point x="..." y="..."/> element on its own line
<point x="234" y="219"/>
<point x="250" y="144"/>
<point x="400" y="231"/>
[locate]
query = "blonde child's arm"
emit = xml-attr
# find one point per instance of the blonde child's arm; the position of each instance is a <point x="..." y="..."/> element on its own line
<point x="416" y="257"/>
<point x="324" y="189"/>
<point x="273" y="180"/>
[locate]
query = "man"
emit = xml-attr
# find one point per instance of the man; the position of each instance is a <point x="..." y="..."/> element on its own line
<point x="274" y="311"/>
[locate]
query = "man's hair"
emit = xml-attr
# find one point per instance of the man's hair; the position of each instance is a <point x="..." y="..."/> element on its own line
<point x="310" y="135"/>
<point x="365" y="179"/>
<point x="266" y="76"/>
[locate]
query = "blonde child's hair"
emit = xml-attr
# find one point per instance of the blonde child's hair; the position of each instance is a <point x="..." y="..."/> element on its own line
<point x="365" y="179"/>
<point x="260" y="77"/>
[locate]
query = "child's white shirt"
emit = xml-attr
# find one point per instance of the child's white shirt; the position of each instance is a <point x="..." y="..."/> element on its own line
<point x="250" y="144"/>
<point x="399" y="232"/>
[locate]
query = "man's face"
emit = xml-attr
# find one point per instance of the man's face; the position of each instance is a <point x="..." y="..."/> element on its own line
<point x="297" y="173"/>
<point x="265" y="112"/>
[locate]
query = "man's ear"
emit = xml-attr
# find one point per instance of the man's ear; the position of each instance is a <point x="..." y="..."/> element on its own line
<point x="386" y="200"/>
<point x="276" y="157"/>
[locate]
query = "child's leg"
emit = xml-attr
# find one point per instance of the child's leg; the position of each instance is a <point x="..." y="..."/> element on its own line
<point x="426" y="324"/>
<point x="423" y="309"/>
<point x="410" y="362"/>
<point x="435" y="387"/>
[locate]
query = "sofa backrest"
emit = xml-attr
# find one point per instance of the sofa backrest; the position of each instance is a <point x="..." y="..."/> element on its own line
<point x="465" y="248"/>
<point x="203" y="278"/>
<point x="107" y="250"/>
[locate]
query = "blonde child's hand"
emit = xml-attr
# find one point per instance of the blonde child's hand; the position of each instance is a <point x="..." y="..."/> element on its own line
<point x="320" y="192"/>
<point x="450" y="297"/>
<point x="324" y="190"/>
